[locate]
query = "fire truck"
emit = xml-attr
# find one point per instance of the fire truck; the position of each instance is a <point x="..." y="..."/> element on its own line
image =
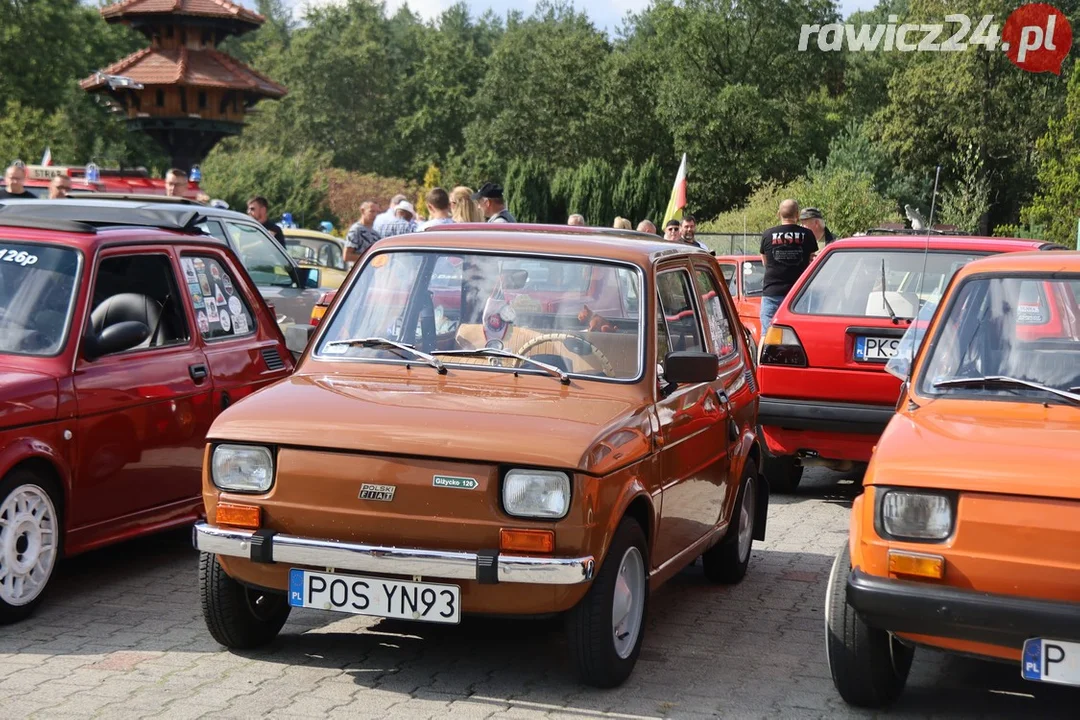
<point x="132" y="181"/>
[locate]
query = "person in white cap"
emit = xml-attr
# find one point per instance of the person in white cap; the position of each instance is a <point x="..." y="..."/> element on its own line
<point x="402" y="221"/>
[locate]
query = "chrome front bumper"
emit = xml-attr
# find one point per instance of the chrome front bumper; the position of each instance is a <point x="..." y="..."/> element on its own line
<point x="485" y="567"/>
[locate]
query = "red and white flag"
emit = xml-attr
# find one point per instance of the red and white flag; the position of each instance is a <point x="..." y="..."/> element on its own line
<point x="46" y="159"/>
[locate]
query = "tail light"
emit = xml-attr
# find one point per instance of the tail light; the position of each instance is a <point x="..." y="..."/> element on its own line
<point x="319" y="311"/>
<point x="781" y="346"/>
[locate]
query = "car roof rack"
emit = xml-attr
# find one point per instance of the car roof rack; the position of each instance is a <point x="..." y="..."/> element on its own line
<point x="157" y="215"/>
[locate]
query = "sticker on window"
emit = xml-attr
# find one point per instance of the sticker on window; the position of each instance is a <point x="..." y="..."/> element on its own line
<point x="211" y="310"/>
<point x="219" y="299"/>
<point x="226" y="323"/>
<point x="240" y="323"/>
<point x="202" y="322"/>
<point x="234" y="305"/>
<point x="189" y="271"/>
<point x="226" y="282"/>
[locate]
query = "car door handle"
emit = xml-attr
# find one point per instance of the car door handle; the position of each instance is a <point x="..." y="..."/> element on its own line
<point x="198" y="372"/>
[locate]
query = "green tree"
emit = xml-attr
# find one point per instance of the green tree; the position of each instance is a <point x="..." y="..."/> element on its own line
<point x="1056" y="206"/>
<point x="291" y="183"/>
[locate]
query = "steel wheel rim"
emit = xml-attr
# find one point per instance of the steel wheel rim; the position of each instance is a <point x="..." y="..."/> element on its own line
<point x="628" y="603"/>
<point x="28" y="538"/>
<point x="746" y="521"/>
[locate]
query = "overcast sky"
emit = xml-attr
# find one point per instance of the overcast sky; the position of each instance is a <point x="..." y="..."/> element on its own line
<point x="607" y="15"/>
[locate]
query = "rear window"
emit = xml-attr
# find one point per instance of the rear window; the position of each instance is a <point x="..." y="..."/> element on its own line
<point x="869" y="283"/>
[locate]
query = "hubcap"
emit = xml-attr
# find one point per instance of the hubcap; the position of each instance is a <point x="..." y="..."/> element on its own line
<point x="746" y="521"/>
<point x="628" y="606"/>
<point x="27" y="544"/>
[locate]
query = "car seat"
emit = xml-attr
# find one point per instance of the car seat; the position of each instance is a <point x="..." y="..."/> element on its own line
<point x="125" y="307"/>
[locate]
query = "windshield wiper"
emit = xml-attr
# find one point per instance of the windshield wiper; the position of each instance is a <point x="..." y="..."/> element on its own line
<point x="885" y="297"/>
<point x="492" y="352"/>
<point x="1005" y="380"/>
<point x="402" y="348"/>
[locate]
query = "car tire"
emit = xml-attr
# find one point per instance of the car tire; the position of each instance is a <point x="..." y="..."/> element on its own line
<point x="869" y="666"/>
<point x="784" y="473"/>
<point x="602" y="650"/>
<point x="727" y="561"/>
<point x="238" y="617"/>
<point x="31" y="541"/>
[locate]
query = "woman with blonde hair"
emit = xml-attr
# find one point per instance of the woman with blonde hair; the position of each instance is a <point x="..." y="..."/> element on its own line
<point x="462" y="207"/>
<point x="622" y="223"/>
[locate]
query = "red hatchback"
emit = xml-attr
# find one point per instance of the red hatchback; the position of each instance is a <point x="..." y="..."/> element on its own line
<point x="119" y="345"/>
<point x="825" y="395"/>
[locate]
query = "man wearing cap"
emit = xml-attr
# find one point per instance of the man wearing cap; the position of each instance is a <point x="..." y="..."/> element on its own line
<point x="401" y="222"/>
<point x="671" y="231"/>
<point x="812" y="219"/>
<point x="490" y="199"/>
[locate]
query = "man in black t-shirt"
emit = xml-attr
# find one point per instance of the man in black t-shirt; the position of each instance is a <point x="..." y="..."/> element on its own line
<point x="786" y="251"/>
<point x="13" y="184"/>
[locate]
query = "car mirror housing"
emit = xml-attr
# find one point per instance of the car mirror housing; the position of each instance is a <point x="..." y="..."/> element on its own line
<point x="115" y="338"/>
<point x="297" y="338"/>
<point x="688" y="367"/>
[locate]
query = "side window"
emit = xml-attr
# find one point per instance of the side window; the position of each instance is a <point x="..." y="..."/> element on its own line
<point x="260" y="255"/>
<point x="219" y="307"/>
<point x="213" y="227"/>
<point x="140" y="288"/>
<point x="680" y="315"/>
<point x="729" y="277"/>
<point x="720" y="327"/>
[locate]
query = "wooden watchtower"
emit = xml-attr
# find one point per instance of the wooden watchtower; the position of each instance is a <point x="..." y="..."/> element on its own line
<point x="182" y="90"/>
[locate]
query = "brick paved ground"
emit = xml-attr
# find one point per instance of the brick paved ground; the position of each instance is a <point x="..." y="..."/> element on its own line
<point x="121" y="636"/>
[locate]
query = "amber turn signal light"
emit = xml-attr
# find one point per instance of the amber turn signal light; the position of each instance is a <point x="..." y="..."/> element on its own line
<point x="528" y="541"/>
<point x="245" y="516"/>
<point x="916" y="564"/>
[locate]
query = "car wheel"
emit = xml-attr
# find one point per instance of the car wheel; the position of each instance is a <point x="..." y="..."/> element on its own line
<point x="605" y="629"/>
<point x="869" y="666"/>
<point x="783" y="473"/>
<point x="727" y="561"/>
<point x="237" y="616"/>
<point x="30" y="539"/>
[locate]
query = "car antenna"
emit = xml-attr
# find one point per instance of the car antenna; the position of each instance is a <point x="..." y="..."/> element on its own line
<point x="922" y="276"/>
<point x="885" y="296"/>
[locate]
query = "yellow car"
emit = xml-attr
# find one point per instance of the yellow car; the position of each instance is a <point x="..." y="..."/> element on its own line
<point x="312" y="248"/>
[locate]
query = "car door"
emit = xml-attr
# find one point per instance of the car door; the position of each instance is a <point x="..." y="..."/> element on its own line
<point x="143" y="413"/>
<point x="271" y="270"/>
<point x="692" y="424"/>
<point x="733" y="381"/>
<point x="243" y="347"/>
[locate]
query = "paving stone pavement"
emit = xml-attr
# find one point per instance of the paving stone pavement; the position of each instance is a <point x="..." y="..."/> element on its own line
<point x="121" y="636"/>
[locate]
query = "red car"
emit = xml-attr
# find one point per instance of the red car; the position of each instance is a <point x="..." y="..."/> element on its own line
<point x="120" y="343"/>
<point x="745" y="275"/>
<point x="825" y="395"/>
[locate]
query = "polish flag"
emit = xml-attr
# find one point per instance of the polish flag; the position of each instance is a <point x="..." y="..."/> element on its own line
<point x="46" y="159"/>
<point x="678" y="195"/>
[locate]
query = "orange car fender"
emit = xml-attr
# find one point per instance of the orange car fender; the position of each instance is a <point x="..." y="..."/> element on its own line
<point x="625" y="494"/>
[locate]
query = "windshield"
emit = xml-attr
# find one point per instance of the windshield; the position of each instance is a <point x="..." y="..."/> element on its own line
<point x="580" y="317"/>
<point x="37" y="284"/>
<point x="848" y="282"/>
<point x="1007" y="327"/>
<point x="753" y="277"/>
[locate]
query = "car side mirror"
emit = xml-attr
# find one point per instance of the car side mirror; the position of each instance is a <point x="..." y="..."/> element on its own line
<point x="115" y="338"/>
<point x="690" y="367"/>
<point x="297" y="337"/>
<point x="308" y="277"/>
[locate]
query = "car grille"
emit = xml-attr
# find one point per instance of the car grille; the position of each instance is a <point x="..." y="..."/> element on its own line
<point x="272" y="359"/>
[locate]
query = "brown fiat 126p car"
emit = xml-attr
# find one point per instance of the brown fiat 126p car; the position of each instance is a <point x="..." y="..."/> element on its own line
<point x="493" y="422"/>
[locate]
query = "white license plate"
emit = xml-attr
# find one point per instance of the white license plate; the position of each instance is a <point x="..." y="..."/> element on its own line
<point x="869" y="349"/>
<point x="1052" y="661"/>
<point x="381" y="597"/>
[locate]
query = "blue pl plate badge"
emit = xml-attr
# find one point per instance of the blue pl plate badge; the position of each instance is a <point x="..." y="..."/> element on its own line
<point x="1032" y="659"/>
<point x="296" y="588"/>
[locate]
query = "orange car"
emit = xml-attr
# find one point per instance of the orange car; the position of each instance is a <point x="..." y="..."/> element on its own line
<point x="744" y="275"/>
<point x="468" y="433"/>
<point x="966" y="537"/>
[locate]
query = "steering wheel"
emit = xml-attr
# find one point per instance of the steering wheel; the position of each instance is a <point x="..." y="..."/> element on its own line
<point x="567" y="340"/>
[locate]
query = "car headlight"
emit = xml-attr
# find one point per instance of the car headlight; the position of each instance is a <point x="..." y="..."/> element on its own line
<point x="536" y="493"/>
<point x="242" y="468"/>
<point x="916" y="515"/>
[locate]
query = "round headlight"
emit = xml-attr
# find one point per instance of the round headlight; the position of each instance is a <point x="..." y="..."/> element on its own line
<point x="536" y="493"/>
<point x="242" y="468"/>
